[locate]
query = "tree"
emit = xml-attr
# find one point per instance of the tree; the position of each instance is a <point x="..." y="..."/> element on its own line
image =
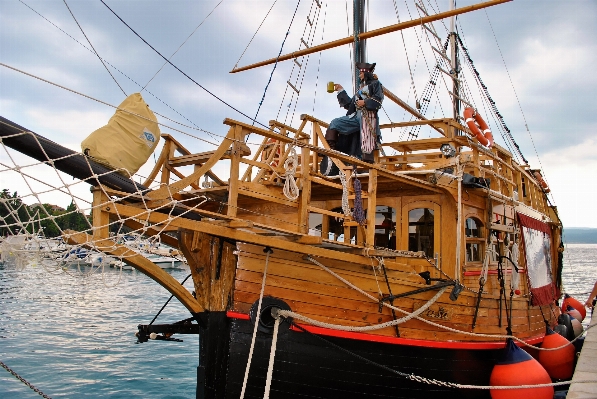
<point x="14" y="214"/>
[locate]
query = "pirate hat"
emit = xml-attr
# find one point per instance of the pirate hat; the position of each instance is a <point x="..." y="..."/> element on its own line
<point x="365" y="65"/>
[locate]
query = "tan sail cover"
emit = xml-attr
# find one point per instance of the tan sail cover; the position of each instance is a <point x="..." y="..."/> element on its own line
<point x="128" y="139"/>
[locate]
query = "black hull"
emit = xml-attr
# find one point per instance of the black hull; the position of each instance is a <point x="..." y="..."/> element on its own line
<point x="308" y="367"/>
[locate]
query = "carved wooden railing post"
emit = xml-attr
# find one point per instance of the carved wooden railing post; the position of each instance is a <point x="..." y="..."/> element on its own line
<point x="304" y="199"/>
<point x="101" y="219"/>
<point x="234" y="171"/>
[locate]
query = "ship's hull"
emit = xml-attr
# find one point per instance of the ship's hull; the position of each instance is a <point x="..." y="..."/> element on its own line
<point x="309" y="365"/>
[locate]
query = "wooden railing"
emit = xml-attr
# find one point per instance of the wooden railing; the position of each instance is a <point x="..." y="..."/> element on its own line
<point x="262" y="175"/>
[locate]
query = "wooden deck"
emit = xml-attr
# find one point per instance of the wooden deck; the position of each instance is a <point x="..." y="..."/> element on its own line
<point x="586" y="368"/>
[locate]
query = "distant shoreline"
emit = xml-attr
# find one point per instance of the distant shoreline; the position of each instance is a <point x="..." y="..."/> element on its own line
<point x="580" y="235"/>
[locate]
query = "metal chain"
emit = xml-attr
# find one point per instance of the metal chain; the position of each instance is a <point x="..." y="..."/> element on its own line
<point x="24" y="381"/>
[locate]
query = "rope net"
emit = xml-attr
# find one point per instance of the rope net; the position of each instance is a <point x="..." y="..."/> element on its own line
<point x="47" y="216"/>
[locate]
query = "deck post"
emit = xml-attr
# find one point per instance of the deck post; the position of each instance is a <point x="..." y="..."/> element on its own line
<point x="101" y="219"/>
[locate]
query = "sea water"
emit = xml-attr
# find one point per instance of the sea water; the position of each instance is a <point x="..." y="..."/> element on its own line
<point x="73" y="336"/>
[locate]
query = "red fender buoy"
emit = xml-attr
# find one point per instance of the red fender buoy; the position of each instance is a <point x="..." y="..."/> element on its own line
<point x="568" y="300"/>
<point x="574" y="313"/>
<point x="519" y="368"/>
<point x="478" y="126"/>
<point x="558" y="363"/>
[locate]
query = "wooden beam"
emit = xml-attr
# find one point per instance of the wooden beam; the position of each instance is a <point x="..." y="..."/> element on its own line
<point x="140" y="263"/>
<point x="371" y="34"/>
<point x="101" y="219"/>
<point x="408" y="108"/>
<point x="168" y="190"/>
<point x="235" y="234"/>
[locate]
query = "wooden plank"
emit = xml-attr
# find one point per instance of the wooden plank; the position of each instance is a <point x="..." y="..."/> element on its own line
<point x="233" y="234"/>
<point x="290" y="265"/>
<point x="371" y="206"/>
<point x="101" y="219"/>
<point x="213" y="267"/>
<point x="233" y="182"/>
<point x="165" y="191"/>
<point x="304" y="199"/>
<point x="266" y="193"/>
<point x="200" y="158"/>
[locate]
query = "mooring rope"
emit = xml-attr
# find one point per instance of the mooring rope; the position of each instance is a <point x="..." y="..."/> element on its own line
<point x="454" y="330"/>
<point x="272" y="355"/>
<point x="268" y="251"/>
<point x="288" y="313"/>
<point x="432" y="381"/>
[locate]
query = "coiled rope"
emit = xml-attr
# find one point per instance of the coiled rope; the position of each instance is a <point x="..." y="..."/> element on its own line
<point x="291" y="190"/>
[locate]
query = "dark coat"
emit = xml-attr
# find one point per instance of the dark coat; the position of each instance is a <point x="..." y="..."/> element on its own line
<point x="372" y="103"/>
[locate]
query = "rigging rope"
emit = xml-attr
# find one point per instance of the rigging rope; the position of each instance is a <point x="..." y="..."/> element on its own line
<point x="492" y="102"/>
<point x="187" y="76"/>
<point x="276" y="63"/>
<point x="122" y="73"/>
<point x="94" y="50"/>
<point x="437" y="325"/>
<point x="268" y="251"/>
<point x="373" y="327"/>
<point x="255" y="34"/>
<point x="183" y="43"/>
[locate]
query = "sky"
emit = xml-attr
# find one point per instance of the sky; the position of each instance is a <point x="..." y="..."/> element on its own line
<point x="535" y="57"/>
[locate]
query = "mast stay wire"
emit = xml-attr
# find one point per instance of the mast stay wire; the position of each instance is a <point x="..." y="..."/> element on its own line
<point x="412" y="80"/>
<point x="290" y="75"/>
<point x="507" y="136"/>
<point x="526" y="125"/>
<point x="439" y="61"/>
<point x="183" y="43"/>
<point x="123" y="74"/>
<point x="94" y="50"/>
<point x="182" y="72"/>
<point x="486" y="104"/>
<point x="303" y="70"/>
<point x="254" y="34"/>
<point x="319" y="59"/>
<point x="350" y="47"/>
<point x="401" y="135"/>
<point x="275" y="64"/>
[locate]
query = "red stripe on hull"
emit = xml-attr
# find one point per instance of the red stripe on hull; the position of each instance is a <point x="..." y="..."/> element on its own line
<point x="397" y="341"/>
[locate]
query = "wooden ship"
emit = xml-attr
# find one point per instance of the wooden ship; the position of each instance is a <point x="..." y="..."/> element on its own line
<point x="439" y="268"/>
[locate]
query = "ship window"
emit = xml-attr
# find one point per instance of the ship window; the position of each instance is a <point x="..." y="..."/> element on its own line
<point x="385" y="227"/>
<point x="474" y="241"/>
<point x="420" y="230"/>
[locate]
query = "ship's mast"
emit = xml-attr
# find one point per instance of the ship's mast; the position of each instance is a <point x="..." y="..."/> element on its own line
<point x="455" y="67"/>
<point x="360" y="46"/>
